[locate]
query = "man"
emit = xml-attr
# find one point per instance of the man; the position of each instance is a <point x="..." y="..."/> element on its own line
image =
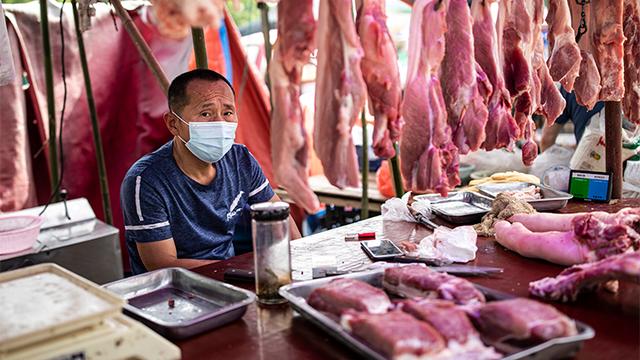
<point x="181" y="203"/>
<point x="579" y="115"/>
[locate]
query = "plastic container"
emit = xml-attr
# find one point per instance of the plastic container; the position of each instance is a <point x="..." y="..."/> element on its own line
<point x="272" y="259"/>
<point x="19" y="232"/>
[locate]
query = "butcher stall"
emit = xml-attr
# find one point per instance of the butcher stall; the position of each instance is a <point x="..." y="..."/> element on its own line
<point x="413" y="134"/>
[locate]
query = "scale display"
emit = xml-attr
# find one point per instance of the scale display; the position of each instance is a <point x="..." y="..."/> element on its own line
<point x="590" y="185"/>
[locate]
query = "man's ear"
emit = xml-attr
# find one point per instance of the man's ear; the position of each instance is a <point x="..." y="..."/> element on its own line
<point x="171" y="122"/>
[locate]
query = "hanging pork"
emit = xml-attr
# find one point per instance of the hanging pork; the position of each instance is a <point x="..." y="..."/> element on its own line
<point x="340" y="92"/>
<point x="289" y="145"/>
<point x="380" y="71"/>
<point x="466" y="109"/>
<point x="428" y="157"/>
<point x="501" y="129"/>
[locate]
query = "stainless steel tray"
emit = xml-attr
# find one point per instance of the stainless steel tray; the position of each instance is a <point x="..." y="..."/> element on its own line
<point x="460" y="208"/>
<point x="297" y="294"/>
<point x="199" y="303"/>
<point x="551" y="199"/>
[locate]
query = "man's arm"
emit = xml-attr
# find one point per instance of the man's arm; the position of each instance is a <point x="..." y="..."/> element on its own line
<point x="294" y="233"/>
<point x="162" y="254"/>
<point x="549" y="136"/>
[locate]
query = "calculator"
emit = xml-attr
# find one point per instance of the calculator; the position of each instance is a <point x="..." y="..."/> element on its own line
<point x="590" y="185"/>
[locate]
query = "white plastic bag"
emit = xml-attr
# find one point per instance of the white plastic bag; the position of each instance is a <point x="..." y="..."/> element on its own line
<point x="456" y="245"/>
<point x="395" y="209"/>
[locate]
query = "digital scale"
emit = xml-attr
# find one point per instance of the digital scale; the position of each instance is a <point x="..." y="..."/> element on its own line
<point x="50" y="313"/>
<point x="590" y="185"/>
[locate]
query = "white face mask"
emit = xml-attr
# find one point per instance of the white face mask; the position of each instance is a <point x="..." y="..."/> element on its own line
<point x="209" y="141"/>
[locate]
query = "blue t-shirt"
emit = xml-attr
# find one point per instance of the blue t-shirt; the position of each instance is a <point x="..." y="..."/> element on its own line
<point x="160" y="202"/>
<point x="578" y="114"/>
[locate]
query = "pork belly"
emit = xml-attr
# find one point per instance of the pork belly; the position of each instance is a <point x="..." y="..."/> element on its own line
<point x="420" y="281"/>
<point x="344" y="294"/>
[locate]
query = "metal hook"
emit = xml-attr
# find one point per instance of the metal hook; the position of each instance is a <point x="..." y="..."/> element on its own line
<point x="582" y="28"/>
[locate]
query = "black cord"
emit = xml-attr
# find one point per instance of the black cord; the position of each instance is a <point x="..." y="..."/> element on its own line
<point x="64" y="106"/>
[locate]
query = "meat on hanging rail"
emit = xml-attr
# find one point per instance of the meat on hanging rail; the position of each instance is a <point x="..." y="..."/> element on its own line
<point x="501" y="129"/>
<point x="428" y="157"/>
<point x="380" y="71"/>
<point x="466" y="110"/>
<point x="289" y="145"/>
<point x="340" y="92"/>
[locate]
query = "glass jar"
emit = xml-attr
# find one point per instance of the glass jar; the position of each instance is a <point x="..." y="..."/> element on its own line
<point x="271" y="255"/>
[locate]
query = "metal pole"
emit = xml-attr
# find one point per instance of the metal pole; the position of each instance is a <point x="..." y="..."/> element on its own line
<point x="199" y="47"/>
<point x="141" y="45"/>
<point x="613" y="141"/>
<point x="51" y="106"/>
<point x="264" y="12"/>
<point x="364" y="209"/>
<point x="395" y="172"/>
<point x="97" y="139"/>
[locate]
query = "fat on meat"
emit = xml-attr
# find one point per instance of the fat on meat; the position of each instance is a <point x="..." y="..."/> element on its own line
<point x="631" y="27"/>
<point x="607" y="40"/>
<point x="564" y="62"/>
<point x="501" y="129"/>
<point x="428" y="157"/>
<point x="340" y="92"/>
<point x="289" y="145"/>
<point x="467" y="112"/>
<point x="380" y="71"/>
<point x="580" y="278"/>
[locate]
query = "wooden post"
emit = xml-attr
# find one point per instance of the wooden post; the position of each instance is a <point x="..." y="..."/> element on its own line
<point x="264" y="12"/>
<point x="51" y="105"/>
<point x="364" y="208"/>
<point x="395" y="172"/>
<point x="95" y="127"/>
<point x="199" y="47"/>
<point x="613" y="140"/>
<point x="141" y="45"/>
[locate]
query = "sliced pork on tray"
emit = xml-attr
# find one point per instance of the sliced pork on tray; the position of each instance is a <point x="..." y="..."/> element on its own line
<point x="289" y="146"/>
<point x="398" y="335"/>
<point x="523" y="320"/>
<point x="428" y="157"/>
<point x="453" y="324"/>
<point x="420" y="281"/>
<point x="347" y="294"/>
<point x="380" y="71"/>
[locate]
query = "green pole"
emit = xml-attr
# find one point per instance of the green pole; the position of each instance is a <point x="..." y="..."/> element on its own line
<point x="51" y="106"/>
<point x="264" y="12"/>
<point x="199" y="47"/>
<point x="395" y="172"/>
<point x="97" y="139"/>
<point x="364" y="209"/>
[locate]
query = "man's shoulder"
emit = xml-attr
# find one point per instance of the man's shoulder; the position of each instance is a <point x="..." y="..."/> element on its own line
<point x="150" y="166"/>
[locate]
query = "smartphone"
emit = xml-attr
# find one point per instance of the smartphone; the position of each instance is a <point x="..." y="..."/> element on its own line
<point x="380" y="249"/>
